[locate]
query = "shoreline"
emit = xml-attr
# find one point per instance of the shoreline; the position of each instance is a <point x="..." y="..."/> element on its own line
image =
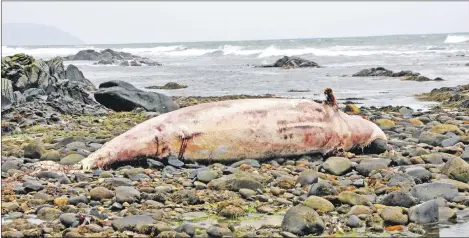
<point x="163" y="192"/>
<point x="392" y="193"/>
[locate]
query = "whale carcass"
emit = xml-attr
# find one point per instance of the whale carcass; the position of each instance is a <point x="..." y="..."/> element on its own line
<point x="239" y="129"/>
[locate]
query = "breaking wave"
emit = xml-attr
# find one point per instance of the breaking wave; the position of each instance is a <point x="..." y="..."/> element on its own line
<point x="456" y="38"/>
<point x="44" y="52"/>
<point x="258" y="51"/>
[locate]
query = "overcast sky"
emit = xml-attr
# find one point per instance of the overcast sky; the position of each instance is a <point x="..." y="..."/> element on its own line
<point x="137" y="22"/>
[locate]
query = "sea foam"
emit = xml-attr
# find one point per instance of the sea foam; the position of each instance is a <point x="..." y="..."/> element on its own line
<point x="456" y="38"/>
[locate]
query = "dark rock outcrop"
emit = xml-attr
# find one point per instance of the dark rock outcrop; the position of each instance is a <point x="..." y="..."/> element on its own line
<point x="84" y="55"/>
<point x="74" y="74"/>
<point x="293" y="61"/>
<point x="449" y="96"/>
<point x="36" y="87"/>
<point x="170" y="85"/>
<point x="24" y="72"/>
<point x="382" y="72"/>
<point x="112" y="57"/>
<point x="121" y="96"/>
<point x="373" y="72"/>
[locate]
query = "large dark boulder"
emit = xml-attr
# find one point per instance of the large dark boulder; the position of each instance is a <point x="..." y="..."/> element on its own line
<point x="73" y="89"/>
<point x="30" y="85"/>
<point x="6" y="103"/>
<point x="127" y="98"/>
<point x="382" y="72"/>
<point x="8" y="96"/>
<point x="84" y="55"/>
<point x="74" y="74"/>
<point x="293" y="61"/>
<point x="112" y="57"/>
<point x="302" y="220"/>
<point x="117" y="83"/>
<point x="56" y="68"/>
<point x="25" y="72"/>
<point x="379" y="71"/>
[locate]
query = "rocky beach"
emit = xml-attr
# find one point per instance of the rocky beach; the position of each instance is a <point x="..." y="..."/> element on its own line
<point x="54" y="116"/>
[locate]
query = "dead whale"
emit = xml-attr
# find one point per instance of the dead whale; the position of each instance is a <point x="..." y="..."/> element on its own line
<point x="239" y="129"/>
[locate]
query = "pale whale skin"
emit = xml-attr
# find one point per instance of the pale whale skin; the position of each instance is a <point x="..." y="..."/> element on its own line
<point x="240" y="129"/>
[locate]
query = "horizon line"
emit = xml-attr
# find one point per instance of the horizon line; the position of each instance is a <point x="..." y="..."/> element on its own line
<point x="249" y="40"/>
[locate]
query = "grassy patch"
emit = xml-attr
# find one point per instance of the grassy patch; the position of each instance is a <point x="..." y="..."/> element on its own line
<point x="109" y="126"/>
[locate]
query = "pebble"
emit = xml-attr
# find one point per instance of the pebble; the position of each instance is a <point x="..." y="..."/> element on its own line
<point x="32" y="185"/>
<point x="366" y="166"/>
<point x="301" y="220"/>
<point x="127" y="194"/>
<point x="321" y="188"/>
<point x="337" y="165"/>
<point x="319" y="204"/>
<point x="64" y="179"/>
<point x="353" y="221"/>
<point x="307" y="177"/>
<point x="69" y="219"/>
<point x="247" y="193"/>
<point x="131" y="221"/>
<point x="399" y="199"/>
<point x="424" y="213"/>
<point x="207" y="176"/>
<point x="394" y="216"/>
<point x="100" y="193"/>
<point x="427" y="191"/>
<point x="420" y="175"/>
<point x="71" y="159"/>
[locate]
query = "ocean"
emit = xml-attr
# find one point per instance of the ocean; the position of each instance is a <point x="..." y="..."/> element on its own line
<point x="227" y="68"/>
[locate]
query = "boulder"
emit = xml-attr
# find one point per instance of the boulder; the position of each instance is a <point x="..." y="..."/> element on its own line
<point x="112" y="57"/>
<point x="8" y="96"/>
<point x="321" y="188"/>
<point x="71" y="159"/>
<point x="337" y="165"/>
<point x="56" y="68"/>
<point x="419" y="78"/>
<point x="32" y="94"/>
<point x="399" y="199"/>
<point x="124" y="99"/>
<point x="403" y="73"/>
<point x="394" y="216"/>
<point x="308" y="176"/>
<point x="366" y="166"/>
<point x="117" y="83"/>
<point x="100" y="193"/>
<point x="431" y="138"/>
<point x="351" y="109"/>
<point x="108" y="56"/>
<point x="302" y="220"/>
<point x="424" y="213"/>
<point x="293" y="61"/>
<point x="48" y="213"/>
<point x="372" y="72"/>
<point x="382" y="72"/>
<point x="445" y="128"/>
<point x="84" y="55"/>
<point x="319" y="204"/>
<point x="428" y="191"/>
<point x="170" y="85"/>
<point x="457" y="169"/>
<point x="127" y="194"/>
<point x="352" y="198"/>
<point x="74" y="74"/>
<point x="42" y="86"/>
<point x="131" y="222"/>
<point x="34" y="150"/>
